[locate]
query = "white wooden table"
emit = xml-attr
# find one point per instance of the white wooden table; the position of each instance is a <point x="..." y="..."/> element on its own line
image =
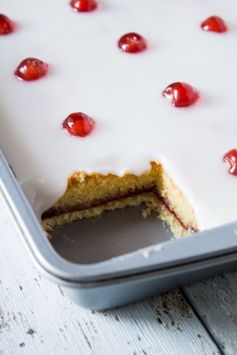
<point x="36" y="317"/>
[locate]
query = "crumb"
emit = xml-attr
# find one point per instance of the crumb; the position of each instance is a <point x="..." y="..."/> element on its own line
<point x="81" y="176"/>
<point x="30" y="331"/>
<point x="146" y="212"/>
<point x="49" y="236"/>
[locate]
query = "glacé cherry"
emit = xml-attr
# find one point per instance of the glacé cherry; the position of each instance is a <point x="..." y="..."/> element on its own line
<point x="181" y="94"/>
<point x="83" y="5"/>
<point x="231" y="158"/>
<point x="214" y="24"/>
<point x="132" y="43"/>
<point x="31" y="69"/>
<point x="6" y="25"/>
<point x="78" y="124"/>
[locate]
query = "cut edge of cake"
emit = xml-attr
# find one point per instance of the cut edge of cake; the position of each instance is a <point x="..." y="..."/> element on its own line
<point x="90" y="195"/>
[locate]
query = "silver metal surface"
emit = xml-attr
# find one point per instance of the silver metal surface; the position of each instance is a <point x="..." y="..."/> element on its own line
<point x="110" y="235"/>
<point x="208" y="251"/>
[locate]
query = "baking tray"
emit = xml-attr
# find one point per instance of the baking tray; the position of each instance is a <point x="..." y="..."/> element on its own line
<point x="147" y="264"/>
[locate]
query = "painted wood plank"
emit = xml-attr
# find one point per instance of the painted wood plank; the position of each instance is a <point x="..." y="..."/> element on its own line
<point x="36" y="317"/>
<point x="216" y="302"/>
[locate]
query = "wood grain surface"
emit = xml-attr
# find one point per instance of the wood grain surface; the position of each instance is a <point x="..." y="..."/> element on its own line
<point x="36" y="317"/>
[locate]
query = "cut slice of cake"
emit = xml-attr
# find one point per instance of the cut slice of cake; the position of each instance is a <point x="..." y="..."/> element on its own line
<point x="89" y="195"/>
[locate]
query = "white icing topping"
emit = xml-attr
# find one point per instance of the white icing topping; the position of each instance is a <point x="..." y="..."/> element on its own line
<point x="122" y="92"/>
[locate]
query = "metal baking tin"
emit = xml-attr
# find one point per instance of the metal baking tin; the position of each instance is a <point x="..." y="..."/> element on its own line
<point x="125" y="278"/>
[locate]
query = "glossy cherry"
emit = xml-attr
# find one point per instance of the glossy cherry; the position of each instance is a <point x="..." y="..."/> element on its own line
<point x="83" y="5"/>
<point x="6" y="25"/>
<point x="214" y="24"/>
<point x="31" y="69"/>
<point x="78" y="124"/>
<point x="181" y="94"/>
<point x="231" y="158"/>
<point x="132" y="43"/>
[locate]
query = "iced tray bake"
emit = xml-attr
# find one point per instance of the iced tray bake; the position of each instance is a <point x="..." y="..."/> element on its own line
<point x="141" y="149"/>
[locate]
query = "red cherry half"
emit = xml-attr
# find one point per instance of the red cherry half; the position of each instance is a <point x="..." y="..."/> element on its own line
<point x="31" y="69"/>
<point x="132" y="43"/>
<point x="231" y="158"/>
<point x="78" y="124"/>
<point x="83" y="5"/>
<point x="181" y="94"/>
<point x="6" y="25"/>
<point x="214" y="24"/>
